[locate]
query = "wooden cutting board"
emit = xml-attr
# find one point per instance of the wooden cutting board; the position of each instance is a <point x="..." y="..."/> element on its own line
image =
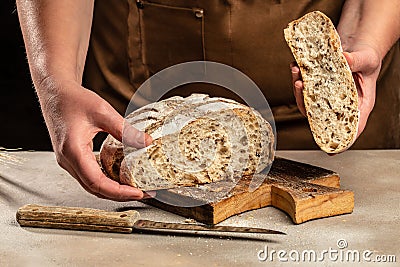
<point x="303" y="191"/>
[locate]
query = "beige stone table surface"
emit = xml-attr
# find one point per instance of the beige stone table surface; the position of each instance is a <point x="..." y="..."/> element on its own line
<point x="371" y="232"/>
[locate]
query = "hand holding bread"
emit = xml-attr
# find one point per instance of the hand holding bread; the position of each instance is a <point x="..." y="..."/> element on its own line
<point x="365" y="65"/>
<point x="74" y="115"/>
<point x="328" y="95"/>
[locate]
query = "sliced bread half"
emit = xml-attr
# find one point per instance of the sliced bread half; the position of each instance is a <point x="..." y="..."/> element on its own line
<point x="197" y="140"/>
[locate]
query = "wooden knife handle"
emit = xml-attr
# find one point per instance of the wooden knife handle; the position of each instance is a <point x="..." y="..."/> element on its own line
<point x="76" y="218"/>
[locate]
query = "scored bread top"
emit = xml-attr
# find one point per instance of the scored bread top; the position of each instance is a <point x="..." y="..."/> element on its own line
<point x="330" y="93"/>
<point x="197" y="140"/>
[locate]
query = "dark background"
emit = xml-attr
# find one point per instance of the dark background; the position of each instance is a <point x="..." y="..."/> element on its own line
<point x="21" y="122"/>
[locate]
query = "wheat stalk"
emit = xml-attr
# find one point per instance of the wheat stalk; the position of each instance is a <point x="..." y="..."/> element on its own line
<point x="6" y="158"/>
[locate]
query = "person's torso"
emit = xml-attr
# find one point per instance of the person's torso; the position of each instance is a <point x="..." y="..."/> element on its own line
<point x="245" y="34"/>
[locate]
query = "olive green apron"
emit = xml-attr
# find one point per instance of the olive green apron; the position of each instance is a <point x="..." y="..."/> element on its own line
<point x="132" y="40"/>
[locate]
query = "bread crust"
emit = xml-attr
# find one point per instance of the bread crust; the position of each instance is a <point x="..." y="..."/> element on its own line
<point x="111" y="156"/>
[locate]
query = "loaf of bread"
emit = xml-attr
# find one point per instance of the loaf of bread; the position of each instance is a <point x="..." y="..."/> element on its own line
<point x="330" y="94"/>
<point x="197" y="140"/>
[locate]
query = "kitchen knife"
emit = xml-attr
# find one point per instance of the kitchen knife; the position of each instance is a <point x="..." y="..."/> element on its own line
<point x="122" y="222"/>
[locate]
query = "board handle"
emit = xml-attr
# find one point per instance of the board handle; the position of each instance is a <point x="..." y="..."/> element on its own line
<point x="76" y="218"/>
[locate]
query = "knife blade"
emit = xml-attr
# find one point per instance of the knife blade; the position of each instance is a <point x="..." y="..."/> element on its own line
<point x="75" y="218"/>
<point x="152" y="225"/>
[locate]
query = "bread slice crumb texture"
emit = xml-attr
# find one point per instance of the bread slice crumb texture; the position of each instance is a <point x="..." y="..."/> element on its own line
<point x="330" y="94"/>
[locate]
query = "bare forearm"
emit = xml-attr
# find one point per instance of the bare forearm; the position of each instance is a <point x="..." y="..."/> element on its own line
<point x="371" y="22"/>
<point x="56" y="35"/>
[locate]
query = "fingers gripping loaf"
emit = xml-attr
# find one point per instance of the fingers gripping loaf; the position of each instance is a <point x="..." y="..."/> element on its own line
<point x="197" y="140"/>
<point x="112" y="151"/>
<point x="330" y="94"/>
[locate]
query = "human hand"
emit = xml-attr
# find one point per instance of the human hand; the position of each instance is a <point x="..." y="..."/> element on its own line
<point x="365" y="63"/>
<point x="74" y="115"/>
